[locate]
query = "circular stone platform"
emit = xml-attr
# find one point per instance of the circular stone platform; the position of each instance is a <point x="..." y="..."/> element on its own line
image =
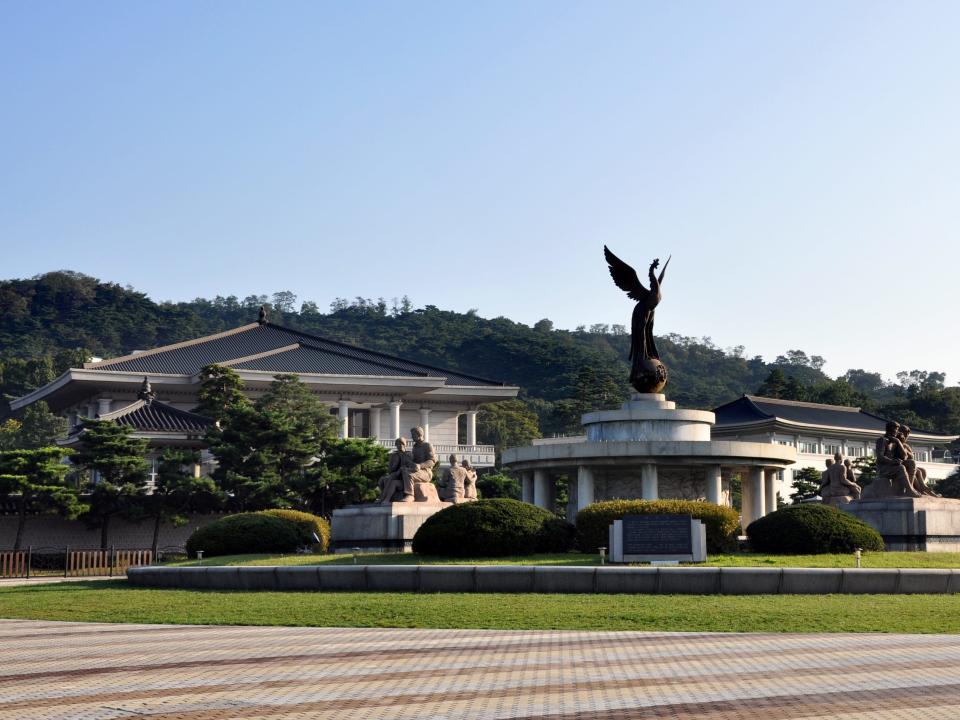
<point x="649" y="449"/>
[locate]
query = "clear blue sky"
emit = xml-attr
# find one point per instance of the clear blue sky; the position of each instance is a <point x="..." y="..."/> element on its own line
<point x="800" y="160"/>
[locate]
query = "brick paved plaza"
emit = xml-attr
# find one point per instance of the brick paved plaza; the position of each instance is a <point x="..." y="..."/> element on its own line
<point x="87" y="671"/>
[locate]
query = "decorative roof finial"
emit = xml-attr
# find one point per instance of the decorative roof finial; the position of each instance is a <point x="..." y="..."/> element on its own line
<point x="262" y="317"/>
<point x="146" y="391"/>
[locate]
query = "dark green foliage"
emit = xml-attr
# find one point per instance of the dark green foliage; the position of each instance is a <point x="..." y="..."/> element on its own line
<point x="118" y="468"/>
<point x="806" y="483"/>
<point x="507" y="424"/>
<point x="593" y="522"/>
<point x="221" y="390"/>
<point x="35" y="481"/>
<point x="866" y="469"/>
<point x="307" y="525"/>
<point x="949" y="487"/>
<point x="176" y="492"/>
<point x="492" y="528"/>
<point x="245" y="533"/>
<point x="346" y="472"/>
<point x="497" y="484"/>
<point x="811" y="528"/>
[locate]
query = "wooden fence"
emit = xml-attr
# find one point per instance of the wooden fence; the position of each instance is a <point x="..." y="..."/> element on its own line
<point x="70" y="563"/>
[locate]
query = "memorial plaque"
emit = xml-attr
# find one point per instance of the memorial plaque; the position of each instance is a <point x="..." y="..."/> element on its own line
<point x="657" y="535"/>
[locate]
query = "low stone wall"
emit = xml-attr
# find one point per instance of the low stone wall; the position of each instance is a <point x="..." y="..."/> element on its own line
<point x="546" y="579"/>
<point x="53" y="531"/>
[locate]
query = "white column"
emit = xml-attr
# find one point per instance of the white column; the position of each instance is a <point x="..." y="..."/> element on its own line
<point x="526" y="486"/>
<point x="714" y="485"/>
<point x="425" y="423"/>
<point x="103" y="406"/>
<point x="91" y="409"/>
<point x="770" y="491"/>
<point x="375" y="423"/>
<point x="648" y="482"/>
<point x="471" y="427"/>
<point x="344" y="415"/>
<point x="541" y="489"/>
<point x="395" y="419"/>
<point x="584" y="487"/>
<point x="752" y="497"/>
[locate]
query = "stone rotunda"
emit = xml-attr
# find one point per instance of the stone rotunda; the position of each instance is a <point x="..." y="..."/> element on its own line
<point x="649" y="449"/>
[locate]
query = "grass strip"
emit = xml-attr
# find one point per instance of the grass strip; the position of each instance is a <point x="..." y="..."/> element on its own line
<point x="115" y="601"/>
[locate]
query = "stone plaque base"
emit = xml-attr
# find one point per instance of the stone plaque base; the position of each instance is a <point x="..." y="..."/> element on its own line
<point x="925" y="523"/>
<point x="618" y="549"/>
<point x="379" y="528"/>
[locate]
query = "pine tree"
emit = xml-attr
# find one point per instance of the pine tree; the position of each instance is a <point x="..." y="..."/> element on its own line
<point x="118" y="467"/>
<point x="36" y="481"/>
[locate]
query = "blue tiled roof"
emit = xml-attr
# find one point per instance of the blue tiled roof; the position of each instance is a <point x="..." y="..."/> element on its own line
<point x="751" y="408"/>
<point x="312" y="354"/>
<point x="158" y="417"/>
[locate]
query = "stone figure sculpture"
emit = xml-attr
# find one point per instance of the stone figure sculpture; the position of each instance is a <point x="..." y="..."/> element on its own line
<point x="391" y="484"/>
<point x="452" y="484"/>
<point x="918" y="476"/>
<point x="418" y="475"/>
<point x="838" y="487"/>
<point x="893" y="476"/>
<point x="647" y="373"/>
<point x="470" y="482"/>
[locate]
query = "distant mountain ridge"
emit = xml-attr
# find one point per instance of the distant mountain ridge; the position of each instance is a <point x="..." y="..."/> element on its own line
<point x="48" y="322"/>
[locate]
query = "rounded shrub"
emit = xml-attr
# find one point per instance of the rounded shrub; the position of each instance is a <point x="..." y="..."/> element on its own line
<point x="245" y="533"/>
<point x="593" y="522"/>
<point x="493" y="528"/>
<point x="811" y="528"/>
<point x="307" y="525"/>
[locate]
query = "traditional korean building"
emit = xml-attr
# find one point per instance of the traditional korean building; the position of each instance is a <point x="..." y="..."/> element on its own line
<point x="373" y="394"/>
<point x="819" y="431"/>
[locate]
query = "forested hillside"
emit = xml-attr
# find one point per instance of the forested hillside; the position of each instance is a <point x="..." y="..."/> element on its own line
<point x="53" y="321"/>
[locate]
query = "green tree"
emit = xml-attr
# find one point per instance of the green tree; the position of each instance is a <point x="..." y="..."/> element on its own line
<point x="40" y="427"/>
<point x="177" y="491"/>
<point x="949" y="487"/>
<point x="806" y="483"/>
<point x="498" y="485"/>
<point x="118" y="469"/>
<point x="10" y="434"/>
<point x="866" y="469"/>
<point x="263" y="450"/>
<point x="345" y="472"/>
<point x="35" y="480"/>
<point x="510" y="423"/>
<point x="221" y="390"/>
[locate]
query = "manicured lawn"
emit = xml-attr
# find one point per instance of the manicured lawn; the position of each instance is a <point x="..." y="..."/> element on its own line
<point x="870" y="560"/>
<point x="114" y="601"/>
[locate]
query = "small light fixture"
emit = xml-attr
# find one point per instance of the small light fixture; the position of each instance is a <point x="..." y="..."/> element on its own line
<point x="603" y="552"/>
<point x="857" y="553"/>
<point x="199" y="556"/>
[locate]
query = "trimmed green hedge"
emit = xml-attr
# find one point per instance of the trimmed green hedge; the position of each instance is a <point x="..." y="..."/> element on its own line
<point x="593" y="522"/>
<point x="493" y="528"/>
<point x="811" y="528"/>
<point x="245" y="533"/>
<point x="307" y="525"/>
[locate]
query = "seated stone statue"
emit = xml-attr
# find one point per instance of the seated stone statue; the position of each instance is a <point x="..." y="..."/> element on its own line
<point x="918" y="476"/>
<point x="391" y="484"/>
<point x="838" y="488"/>
<point x="451" y="485"/>
<point x="418" y="475"/>
<point x="893" y="477"/>
<point x="470" y="482"/>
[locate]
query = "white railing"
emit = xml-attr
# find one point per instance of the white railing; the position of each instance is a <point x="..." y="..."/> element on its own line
<point x="478" y="455"/>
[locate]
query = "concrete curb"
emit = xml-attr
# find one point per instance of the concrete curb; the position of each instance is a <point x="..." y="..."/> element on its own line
<point x="553" y="579"/>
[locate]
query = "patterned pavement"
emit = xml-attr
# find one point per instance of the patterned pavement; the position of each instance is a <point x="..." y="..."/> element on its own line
<point x="92" y="671"/>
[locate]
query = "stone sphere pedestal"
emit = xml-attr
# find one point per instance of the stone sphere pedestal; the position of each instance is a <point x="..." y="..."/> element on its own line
<point x="648" y="416"/>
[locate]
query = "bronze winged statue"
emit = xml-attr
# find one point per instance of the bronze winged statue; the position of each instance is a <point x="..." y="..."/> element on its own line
<point x="647" y="373"/>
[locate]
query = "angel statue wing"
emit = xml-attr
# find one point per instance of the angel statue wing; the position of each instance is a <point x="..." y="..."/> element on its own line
<point x="625" y="277"/>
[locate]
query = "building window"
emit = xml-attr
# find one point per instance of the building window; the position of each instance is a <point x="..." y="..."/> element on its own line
<point x="855" y="451"/>
<point x="785" y="442"/>
<point x="922" y="456"/>
<point x="831" y="447"/>
<point x="359" y="423"/>
<point x="810" y="447"/>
